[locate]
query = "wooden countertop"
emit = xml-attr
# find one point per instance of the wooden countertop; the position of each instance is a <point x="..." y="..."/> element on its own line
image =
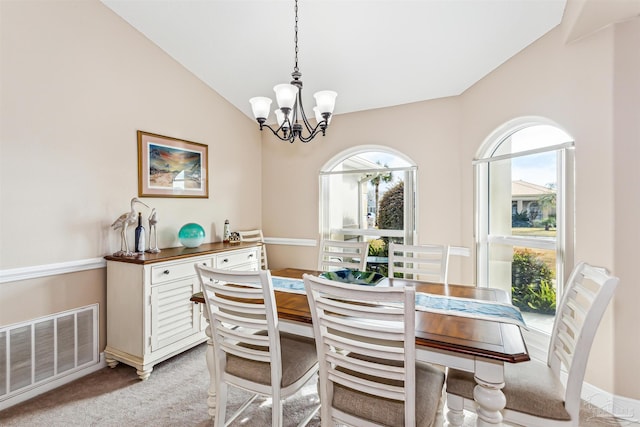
<point x="168" y="254"/>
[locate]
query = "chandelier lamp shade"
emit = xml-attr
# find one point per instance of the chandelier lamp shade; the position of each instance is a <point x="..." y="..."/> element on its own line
<point x="292" y="121"/>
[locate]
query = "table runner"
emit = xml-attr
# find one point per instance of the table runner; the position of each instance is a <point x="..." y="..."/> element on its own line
<point x="463" y="307"/>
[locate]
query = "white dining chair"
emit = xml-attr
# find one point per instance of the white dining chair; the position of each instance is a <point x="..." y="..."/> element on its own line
<point x="256" y="236"/>
<point x="420" y="262"/>
<point x="250" y="351"/>
<point x="534" y="391"/>
<point x="337" y="254"/>
<point x="365" y="338"/>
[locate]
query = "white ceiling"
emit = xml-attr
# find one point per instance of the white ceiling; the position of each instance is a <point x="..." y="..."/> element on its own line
<point x="374" y="53"/>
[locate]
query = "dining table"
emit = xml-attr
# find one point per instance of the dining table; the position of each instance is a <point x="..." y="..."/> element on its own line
<point x="450" y="340"/>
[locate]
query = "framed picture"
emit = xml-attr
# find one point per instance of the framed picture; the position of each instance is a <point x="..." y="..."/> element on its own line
<point x="171" y="167"/>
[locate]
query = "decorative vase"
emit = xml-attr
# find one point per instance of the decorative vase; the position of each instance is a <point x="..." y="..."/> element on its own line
<point x="191" y="235"/>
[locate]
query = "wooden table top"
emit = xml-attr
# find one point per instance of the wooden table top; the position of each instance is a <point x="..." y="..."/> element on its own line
<point x="492" y="340"/>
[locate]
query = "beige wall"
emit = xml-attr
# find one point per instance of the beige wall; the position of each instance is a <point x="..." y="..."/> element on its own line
<point x="77" y="82"/>
<point x="626" y="143"/>
<point x="570" y="84"/>
<point x="426" y="132"/>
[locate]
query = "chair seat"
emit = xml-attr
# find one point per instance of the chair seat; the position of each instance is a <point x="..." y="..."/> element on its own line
<point x="429" y="382"/>
<point x="530" y="388"/>
<point x="298" y="357"/>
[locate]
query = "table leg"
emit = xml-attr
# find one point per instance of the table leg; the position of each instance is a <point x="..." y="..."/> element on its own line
<point x="488" y="393"/>
<point x="211" y="366"/>
<point x="455" y="411"/>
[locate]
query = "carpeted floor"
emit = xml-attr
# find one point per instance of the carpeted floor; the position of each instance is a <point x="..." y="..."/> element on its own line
<point x="174" y="395"/>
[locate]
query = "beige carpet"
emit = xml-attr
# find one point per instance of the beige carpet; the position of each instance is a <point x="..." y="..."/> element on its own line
<point x="174" y="395"/>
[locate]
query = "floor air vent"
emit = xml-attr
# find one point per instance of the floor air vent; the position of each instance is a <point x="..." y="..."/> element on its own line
<point x="41" y="351"/>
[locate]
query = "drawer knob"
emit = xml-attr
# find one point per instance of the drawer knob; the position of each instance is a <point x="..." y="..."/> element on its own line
<point x="250" y="255"/>
<point x="225" y="260"/>
<point x="165" y="272"/>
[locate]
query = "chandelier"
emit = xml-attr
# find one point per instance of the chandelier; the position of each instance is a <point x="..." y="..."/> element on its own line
<point x="290" y="115"/>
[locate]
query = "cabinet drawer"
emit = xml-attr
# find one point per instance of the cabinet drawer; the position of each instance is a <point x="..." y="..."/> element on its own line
<point x="174" y="271"/>
<point x="231" y="260"/>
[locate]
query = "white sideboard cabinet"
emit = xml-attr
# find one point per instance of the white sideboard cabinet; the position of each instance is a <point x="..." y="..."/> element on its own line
<point x="150" y="317"/>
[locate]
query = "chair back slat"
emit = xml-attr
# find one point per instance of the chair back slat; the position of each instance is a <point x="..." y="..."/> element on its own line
<point x="358" y="329"/>
<point x="366" y="349"/>
<point x="365" y="341"/>
<point x="256" y="236"/>
<point x="229" y="307"/>
<point x="240" y="335"/>
<point x="242" y="313"/>
<point x="379" y="389"/>
<point x="392" y="372"/>
<point x="338" y="254"/>
<point x="587" y="294"/>
<point x="420" y="262"/>
<point x="247" y="353"/>
<point x="349" y="309"/>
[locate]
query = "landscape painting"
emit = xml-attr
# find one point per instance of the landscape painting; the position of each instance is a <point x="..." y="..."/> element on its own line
<point x="170" y="167"/>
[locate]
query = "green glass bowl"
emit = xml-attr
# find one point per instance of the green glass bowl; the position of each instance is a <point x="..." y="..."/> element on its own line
<point x="191" y="235"/>
<point x="355" y="277"/>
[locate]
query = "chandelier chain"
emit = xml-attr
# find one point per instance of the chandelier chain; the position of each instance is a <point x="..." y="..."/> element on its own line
<point x="295" y="68"/>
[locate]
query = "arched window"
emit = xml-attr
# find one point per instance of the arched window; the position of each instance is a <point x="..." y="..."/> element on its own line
<point x="524" y="178"/>
<point x="368" y="193"/>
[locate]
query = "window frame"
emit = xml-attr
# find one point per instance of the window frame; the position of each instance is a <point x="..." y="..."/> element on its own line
<point x="563" y="244"/>
<point x="409" y="233"/>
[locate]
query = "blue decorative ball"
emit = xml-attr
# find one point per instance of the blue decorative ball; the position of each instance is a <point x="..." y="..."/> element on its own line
<point x="191" y="235"/>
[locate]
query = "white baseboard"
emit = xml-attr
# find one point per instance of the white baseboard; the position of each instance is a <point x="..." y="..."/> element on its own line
<point x="60" y="381"/>
<point x="624" y="408"/>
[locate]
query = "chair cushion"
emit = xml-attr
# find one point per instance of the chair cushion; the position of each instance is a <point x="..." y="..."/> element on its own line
<point x="298" y="356"/>
<point x="429" y="383"/>
<point x="530" y="388"/>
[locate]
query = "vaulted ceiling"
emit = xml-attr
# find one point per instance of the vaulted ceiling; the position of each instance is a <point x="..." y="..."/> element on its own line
<point x="374" y="53"/>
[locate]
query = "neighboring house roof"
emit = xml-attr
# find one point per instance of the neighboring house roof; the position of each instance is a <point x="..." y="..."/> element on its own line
<point x="527" y="189"/>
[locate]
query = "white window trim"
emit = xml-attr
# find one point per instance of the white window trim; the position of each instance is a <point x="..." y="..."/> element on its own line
<point x="565" y="212"/>
<point x="410" y="188"/>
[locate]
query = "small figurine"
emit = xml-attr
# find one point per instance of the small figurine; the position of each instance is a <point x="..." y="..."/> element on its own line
<point x="122" y="223"/>
<point x="153" y="232"/>
<point x="226" y="234"/>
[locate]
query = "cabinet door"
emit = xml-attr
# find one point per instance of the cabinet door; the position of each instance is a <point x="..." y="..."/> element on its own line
<point x="173" y="316"/>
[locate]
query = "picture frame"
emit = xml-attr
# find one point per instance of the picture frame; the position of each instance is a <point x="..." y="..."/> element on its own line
<point x="171" y="167"/>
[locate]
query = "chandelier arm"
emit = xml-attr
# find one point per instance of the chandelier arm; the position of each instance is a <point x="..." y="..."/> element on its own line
<point x="287" y="136"/>
<point x="320" y="127"/>
<point x="302" y="113"/>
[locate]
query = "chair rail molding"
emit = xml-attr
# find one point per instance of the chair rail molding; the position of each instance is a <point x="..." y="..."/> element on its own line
<point x="36" y="271"/>
<point x="290" y="241"/>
